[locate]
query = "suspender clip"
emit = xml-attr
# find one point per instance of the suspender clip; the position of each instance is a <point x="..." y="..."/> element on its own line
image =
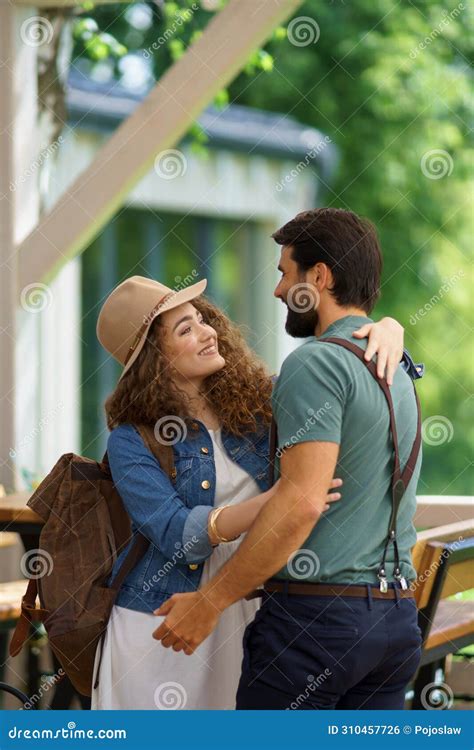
<point x="401" y="579"/>
<point x="383" y="581"/>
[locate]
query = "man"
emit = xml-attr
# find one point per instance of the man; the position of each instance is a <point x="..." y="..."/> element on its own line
<point x="338" y="623"/>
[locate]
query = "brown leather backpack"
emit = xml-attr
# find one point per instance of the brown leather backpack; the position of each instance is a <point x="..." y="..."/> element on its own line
<point x="85" y="528"/>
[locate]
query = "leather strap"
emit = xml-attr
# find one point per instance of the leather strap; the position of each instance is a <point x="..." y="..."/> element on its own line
<point x="146" y="324"/>
<point x="407" y="472"/>
<point x="164" y="456"/>
<point x="400" y="478"/>
<point x="323" y="589"/>
<point x="273" y="449"/>
<point x="29" y="613"/>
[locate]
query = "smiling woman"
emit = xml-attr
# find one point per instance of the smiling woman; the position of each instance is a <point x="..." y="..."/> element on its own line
<point x="190" y="376"/>
<point x="171" y="369"/>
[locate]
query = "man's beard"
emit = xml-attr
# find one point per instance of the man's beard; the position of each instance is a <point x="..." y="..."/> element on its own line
<point x="301" y="325"/>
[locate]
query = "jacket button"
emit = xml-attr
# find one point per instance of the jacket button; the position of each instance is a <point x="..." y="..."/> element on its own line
<point x="206" y="484"/>
<point x="205" y="450"/>
<point x="194" y="426"/>
<point x="193" y="566"/>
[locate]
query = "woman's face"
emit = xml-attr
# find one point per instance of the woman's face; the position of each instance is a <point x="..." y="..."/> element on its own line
<point x="189" y="343"/>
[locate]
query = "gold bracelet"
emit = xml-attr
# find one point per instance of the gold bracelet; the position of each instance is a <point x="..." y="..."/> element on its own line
<point x="212" y="524"/>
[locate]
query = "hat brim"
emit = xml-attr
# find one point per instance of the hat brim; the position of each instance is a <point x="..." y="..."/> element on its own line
<point x="178" y="298"/>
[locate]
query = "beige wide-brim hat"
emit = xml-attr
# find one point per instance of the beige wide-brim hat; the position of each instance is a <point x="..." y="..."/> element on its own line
<point x="129" y="311"/>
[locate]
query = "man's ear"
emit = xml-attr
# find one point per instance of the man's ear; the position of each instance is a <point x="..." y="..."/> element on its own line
<point x="320" y="276"/>
<point x="324" y="277"/>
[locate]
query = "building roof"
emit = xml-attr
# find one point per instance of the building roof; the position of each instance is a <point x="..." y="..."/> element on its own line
<point x="103" y="106"/>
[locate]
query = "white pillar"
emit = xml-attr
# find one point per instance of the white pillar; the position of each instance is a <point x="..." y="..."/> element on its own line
<point x="18" y="213"/>
<point x="39" y="358"/>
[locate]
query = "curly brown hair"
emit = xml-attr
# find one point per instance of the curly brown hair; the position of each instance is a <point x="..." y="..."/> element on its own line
<point x="239" y="393"/>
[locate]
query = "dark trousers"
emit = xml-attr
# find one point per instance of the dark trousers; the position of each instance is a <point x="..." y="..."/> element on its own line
<point x="316" y="652"/>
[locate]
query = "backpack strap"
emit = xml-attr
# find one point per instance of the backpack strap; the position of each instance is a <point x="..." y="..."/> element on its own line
<point x="273" y="443"/>
<point x="164" y="456"/>
<point x="29" y="613"/>
<point x="273" y="450"/>
<point x="163" y="453"/>
<point x="400" y="479"/>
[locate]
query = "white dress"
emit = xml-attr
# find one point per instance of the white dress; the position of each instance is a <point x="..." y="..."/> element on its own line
<point x="137" y="672"/>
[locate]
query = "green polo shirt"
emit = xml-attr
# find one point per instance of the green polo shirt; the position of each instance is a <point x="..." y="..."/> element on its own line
<point x="325" y="393"/>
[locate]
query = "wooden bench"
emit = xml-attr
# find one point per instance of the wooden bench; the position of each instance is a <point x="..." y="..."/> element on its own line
<point x="444" y="560"/>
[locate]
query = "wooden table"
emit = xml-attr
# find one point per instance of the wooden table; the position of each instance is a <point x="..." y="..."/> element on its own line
<point x="16" y="516"/>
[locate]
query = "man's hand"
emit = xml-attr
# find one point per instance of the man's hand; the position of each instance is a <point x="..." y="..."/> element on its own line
<point x="191" y="618"/>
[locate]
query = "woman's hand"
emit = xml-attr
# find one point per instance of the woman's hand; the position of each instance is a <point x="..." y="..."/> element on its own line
<point x="332" y="496"/>
<point x="237" y="518"/>
<point x="386" y="341"/>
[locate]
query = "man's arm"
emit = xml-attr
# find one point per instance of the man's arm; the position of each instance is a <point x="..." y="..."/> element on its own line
<point x="282" y="525"/>
<point x="280" y="528"/>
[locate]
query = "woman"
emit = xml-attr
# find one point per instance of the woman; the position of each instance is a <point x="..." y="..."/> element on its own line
<point x="190" y="375"/>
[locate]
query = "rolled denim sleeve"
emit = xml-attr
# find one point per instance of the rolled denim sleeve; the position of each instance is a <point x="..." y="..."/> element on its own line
<point x="152" y="502"/>
<point x="415" y="371"/>
<point x="196" y="544"/>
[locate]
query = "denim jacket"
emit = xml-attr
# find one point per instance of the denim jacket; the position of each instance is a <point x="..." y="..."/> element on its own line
<point x="173" y="515"/>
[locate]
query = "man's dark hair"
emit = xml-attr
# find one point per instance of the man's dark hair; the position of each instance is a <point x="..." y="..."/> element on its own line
<point x="346" y="243"/>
